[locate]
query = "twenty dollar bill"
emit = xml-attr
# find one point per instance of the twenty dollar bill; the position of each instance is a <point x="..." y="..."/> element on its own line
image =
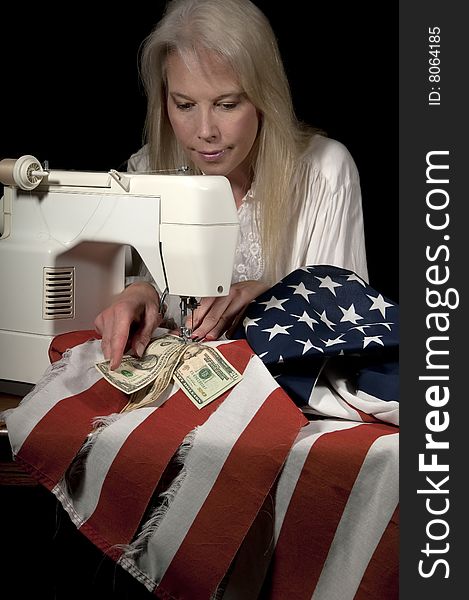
<point x="205" y="375"/>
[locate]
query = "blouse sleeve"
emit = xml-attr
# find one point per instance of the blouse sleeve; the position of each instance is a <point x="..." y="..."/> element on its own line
<point x="330" y="224"/>
<point x="139" y="161"/>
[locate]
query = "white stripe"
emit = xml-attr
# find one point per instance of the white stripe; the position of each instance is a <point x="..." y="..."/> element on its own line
<point x="71" y="375"/>
<point x="384" y="410"/>
<point x="253" y="560"/>
<point x="100" y="458"/>
<point x="295" y="463"/>
<point x="370" y="506"/>
<point x="326" y="402"/>
<point x="107" y="445"/>
<point x="213" y="443"/>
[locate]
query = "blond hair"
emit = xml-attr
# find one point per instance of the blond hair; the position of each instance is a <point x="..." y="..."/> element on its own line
<point x="240" y="34"/>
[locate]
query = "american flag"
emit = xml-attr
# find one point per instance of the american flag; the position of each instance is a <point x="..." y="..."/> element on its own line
<point x="325" y="319"/>
<point x="243" y="499"/>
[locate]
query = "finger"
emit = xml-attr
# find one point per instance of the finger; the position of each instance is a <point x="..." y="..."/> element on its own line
<point x="212" y="312"/>
<point x="216" y="321"/>
<point x="234" y="325"/>
<point x="198" y="315"/>
<point x="218" y="329"/>
<point x="100" y="327"/>
<point x="98" y="324"/>
<point x="106" y="348"/>
<point x="228" y="320"/>
<point x="142" y="336"/>
<point x="118" y="341"/>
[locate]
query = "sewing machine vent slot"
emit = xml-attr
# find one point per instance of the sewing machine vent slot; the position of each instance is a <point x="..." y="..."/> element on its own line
<point x="59" y="292"/>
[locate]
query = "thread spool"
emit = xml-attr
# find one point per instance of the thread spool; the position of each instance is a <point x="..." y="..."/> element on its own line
<point x="24" y="172"/>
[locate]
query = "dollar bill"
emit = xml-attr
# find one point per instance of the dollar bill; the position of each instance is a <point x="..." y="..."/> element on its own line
<point x="152" y="392"/>
<point x="205" y="374"/>
<point x="135" y="373"/>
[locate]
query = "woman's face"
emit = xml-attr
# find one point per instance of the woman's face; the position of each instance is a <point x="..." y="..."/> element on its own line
<point x="211" y="116"/>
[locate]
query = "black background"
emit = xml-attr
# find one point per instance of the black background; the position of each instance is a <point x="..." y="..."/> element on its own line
<point x="71" y="93"/>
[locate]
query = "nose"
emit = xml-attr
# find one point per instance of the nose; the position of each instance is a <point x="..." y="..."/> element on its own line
<point x="207" y="126"/>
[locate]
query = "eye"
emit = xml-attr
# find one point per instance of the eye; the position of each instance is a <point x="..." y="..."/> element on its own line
<point x="228" y="105"/>
<point x="184" y="106"/>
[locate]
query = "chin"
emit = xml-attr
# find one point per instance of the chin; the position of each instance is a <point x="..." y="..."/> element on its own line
<point x="213" y="169"/>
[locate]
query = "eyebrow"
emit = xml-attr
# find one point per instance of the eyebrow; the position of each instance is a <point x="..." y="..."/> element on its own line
<point x="181" y="96"/>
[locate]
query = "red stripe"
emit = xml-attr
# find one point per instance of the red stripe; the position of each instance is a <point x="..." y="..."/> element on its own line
<point x="65" y="341"/>
<point x="364" y="416"/>
<point x="381" y="578"/>
<point x="316" y="508"/>
<point x="143" y="458"/>
<point x="57" y="437"/>
<point x="242" y="485"/>
<point x="54" y="441"/>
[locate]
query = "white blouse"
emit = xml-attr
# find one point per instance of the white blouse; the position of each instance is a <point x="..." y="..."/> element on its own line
<point x="330" y="227"/>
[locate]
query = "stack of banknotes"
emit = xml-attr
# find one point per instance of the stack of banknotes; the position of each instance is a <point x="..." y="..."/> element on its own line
<point x="201" y="371"/>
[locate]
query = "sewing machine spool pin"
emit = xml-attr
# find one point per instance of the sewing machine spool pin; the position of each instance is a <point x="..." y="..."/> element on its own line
<point x="25" y="172"/>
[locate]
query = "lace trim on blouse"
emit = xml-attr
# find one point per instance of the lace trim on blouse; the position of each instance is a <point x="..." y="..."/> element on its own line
<point x="249" y="262"/>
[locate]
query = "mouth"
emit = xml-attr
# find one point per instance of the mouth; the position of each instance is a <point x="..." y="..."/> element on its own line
<point x="211" y="155"/>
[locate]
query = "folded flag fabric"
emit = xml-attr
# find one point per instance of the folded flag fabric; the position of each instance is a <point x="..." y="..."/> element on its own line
<point x="322" y="316"/>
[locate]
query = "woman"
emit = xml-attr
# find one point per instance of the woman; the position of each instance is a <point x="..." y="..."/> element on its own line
<point x="219" y="101"/>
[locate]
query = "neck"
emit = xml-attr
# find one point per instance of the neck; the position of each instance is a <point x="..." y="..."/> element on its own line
<point x="239" y="194"/>
<point x="240" y="184"/>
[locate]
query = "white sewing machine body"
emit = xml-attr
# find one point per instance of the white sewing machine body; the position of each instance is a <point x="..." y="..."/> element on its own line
<point x="62" y="251"/>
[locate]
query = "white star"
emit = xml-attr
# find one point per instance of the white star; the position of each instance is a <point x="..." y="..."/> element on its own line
<point x="277" y="329"/>
<point x="308" y="345"/>
<point x="328" y="283"/>
<point x="387" y="325"/>
<point x="361" y="328"/>
<point x="350" y="315"/>
<point x="249" y="322"/>
<point x="274" y="303"/>
<point x="335" y="341"/>
<point x="263" y="354"/>
<point x="372" y="338"/>
<point x="379" y="303"/>
<point x="305" y="318"/>
<point x="302" y="291"/>
<point x="354" y="277"/>
<point x="325" y="320"/>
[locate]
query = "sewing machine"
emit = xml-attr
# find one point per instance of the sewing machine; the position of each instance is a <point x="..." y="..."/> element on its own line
<point x="63" y="245"/>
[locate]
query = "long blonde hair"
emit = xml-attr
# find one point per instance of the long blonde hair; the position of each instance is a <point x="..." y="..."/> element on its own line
<point x="239" y="33"/>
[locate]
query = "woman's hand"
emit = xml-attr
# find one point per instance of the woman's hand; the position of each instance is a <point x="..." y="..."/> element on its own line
<point x="216" y="316"/>
<point x="137" y="304"/>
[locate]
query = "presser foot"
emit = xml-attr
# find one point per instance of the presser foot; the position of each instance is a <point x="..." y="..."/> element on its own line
<point x="186" y="304"/>
<point x="186" y="333"/>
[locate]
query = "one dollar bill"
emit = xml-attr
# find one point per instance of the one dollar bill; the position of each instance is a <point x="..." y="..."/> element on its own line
<point x="135" y="373"/>
<point x="152" y="392"/>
